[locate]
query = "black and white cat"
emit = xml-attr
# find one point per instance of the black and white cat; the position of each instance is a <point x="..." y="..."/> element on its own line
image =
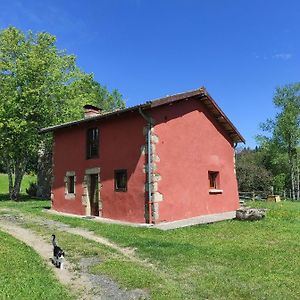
<point x="58" y="254"/>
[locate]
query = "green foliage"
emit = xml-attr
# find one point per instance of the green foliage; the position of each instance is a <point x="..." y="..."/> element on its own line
<point x="40" y="86"/>
<point x="32" y="189"/>
<point x="281" y="147"/>
<point x="252" y="175"/>
<point x="24" y="275"/>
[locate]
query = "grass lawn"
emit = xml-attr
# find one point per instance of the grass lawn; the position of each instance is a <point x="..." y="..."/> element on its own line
<point x="225" y="260"/>
<point x="23" y="274"/>
<point x="25" y="183"/>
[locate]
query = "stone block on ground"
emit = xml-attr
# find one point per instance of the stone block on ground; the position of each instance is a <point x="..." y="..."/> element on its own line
<point x="250" y="214"/>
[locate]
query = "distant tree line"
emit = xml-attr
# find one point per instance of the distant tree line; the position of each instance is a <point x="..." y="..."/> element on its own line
<point x="274" y="165"/>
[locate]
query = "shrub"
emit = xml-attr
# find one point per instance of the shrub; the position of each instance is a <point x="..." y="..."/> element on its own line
<point x="32" y="189"/>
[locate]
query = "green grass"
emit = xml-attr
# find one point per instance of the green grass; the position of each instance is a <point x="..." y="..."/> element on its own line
<point x="23" y="274"/>
<point x="225" y="260"/>
<point x="25" y="183"/>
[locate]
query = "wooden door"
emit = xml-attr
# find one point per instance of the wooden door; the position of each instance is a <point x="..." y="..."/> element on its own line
<point x="94" y="194"/>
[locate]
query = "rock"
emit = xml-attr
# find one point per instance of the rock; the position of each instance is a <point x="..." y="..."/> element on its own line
<point x="250" y="214"/>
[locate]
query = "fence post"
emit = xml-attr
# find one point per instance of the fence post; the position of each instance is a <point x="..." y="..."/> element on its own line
<point x="253" y="196"/>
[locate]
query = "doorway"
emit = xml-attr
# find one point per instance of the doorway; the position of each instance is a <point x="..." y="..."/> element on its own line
<point x="93" y="191"/>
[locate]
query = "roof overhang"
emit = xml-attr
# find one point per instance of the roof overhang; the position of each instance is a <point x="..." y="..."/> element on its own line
<point x="200" y="94"/>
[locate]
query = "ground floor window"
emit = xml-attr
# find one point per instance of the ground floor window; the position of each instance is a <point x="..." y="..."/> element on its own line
<point x="70" y="184"/>
<point x="121" y="180"/>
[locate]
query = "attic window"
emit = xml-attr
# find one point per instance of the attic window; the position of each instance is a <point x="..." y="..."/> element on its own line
<point x="121" y="180"/>
<point x="214" y="182"/>
<point x="92" y="143"/>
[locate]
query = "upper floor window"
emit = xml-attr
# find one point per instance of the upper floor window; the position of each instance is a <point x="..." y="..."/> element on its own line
<point x="92" y="143"/>
<point x="213" y="179"/>
<point x="214" y="182"/>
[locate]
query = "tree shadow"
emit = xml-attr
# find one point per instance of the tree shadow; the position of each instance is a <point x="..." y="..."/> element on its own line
<point x="23" y="198"/>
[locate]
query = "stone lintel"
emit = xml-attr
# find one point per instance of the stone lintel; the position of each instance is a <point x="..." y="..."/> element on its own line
<point x="92" y="171"/>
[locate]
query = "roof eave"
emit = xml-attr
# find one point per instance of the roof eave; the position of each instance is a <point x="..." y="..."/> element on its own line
<point x="94" y="118"/>
<point x="200" y="93"/>
<point x="233" y="132"/>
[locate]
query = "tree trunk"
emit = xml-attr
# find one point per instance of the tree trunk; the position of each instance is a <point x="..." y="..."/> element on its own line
<point x="10" y="181"/>
<point x="19" y="174"/>
<point x="293" y="183"/>
<point x="292" y="171"/>
<point x="15" y="176"/>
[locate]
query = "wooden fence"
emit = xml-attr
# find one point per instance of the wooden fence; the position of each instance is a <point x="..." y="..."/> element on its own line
<point x="261" y="195"/>
<point x="254" y="195"/>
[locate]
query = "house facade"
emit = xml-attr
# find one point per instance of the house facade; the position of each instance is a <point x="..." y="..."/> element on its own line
<point x="165" y="160"/>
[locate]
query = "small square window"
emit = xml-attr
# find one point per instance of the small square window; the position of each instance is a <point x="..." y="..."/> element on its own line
<point x="71" y="184"/>
<point x="214" y="182"/>
<point x="121" y="180"/>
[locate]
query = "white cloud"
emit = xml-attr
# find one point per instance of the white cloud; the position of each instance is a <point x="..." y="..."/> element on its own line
<point x="283" y="56"/>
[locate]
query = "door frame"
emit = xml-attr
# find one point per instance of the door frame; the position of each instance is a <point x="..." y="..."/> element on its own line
<point x="86" y="196"/>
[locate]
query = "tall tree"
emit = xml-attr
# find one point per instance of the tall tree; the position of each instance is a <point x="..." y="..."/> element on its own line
<point x="39" y="86"/>
<point x="285" y="132"/>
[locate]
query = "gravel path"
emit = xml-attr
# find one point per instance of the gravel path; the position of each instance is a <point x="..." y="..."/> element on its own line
<point x="81" y="282"/>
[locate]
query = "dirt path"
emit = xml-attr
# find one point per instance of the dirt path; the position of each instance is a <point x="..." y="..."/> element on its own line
<point x="81" y="282"/>
<point x="44" y="249"/>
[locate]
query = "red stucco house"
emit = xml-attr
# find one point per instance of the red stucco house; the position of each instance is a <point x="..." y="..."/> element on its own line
<point x="165" y="160"/>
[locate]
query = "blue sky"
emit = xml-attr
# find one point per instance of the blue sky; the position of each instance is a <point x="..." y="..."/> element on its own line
<point x="239" y="50"/>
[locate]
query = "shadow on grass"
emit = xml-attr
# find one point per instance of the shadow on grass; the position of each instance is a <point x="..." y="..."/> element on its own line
<point x="23" y="198"/>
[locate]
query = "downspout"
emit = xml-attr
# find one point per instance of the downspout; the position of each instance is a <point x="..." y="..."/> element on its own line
<point x="235" y="144"/>
<point x="149" y="168"/>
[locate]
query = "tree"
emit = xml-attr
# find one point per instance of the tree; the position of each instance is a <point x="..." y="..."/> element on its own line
<point x="285" y="136"/>
<point x="252" y="175"/>
<point x="39" y="86"/>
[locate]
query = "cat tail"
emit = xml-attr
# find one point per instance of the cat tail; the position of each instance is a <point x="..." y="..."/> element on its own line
<point x="54" y="240"/>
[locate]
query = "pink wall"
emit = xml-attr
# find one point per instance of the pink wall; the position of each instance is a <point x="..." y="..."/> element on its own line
<point x="191" y="144"/>
<point x="121" y="139"/>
